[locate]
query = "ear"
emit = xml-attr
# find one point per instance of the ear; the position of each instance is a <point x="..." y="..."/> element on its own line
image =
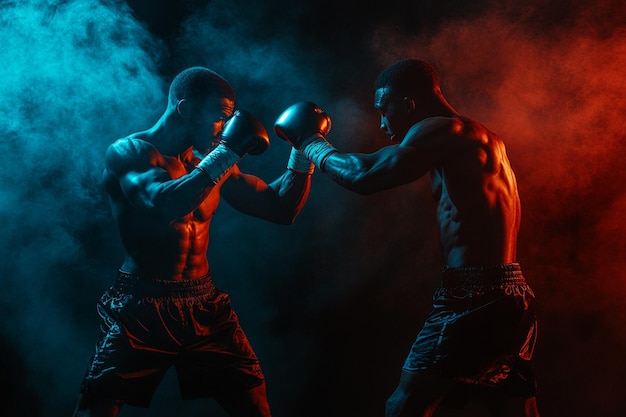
<point x="409" y="104"/>
<point x="183" y="108"/>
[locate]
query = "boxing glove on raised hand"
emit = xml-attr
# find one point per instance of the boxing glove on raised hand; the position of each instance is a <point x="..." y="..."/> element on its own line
<point x="244" y="134"/>
<point x="301" y="121"/>
<point x="305" y="126"/>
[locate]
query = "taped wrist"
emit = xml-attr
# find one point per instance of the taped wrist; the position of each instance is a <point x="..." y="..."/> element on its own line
<point x="298" y="163"/>
<point x="218" y="162"/>
<point x="317" y="149"/>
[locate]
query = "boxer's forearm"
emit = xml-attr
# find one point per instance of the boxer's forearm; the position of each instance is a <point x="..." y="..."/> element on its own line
<point x="371" y="173"/>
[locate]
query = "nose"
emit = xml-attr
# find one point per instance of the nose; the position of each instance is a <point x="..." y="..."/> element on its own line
<point x="383" y="123"/>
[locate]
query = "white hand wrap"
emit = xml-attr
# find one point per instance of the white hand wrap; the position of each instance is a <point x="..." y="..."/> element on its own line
<point x="316" y="149"/>
<point x="218" y="162"/>
<point x="299" y="163"/>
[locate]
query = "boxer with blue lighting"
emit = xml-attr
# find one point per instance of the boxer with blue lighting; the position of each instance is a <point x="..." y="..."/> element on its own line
<point x="164" y="186"/>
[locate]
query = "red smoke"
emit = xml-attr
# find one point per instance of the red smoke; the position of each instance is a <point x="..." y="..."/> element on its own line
<point x="556" y="93"/>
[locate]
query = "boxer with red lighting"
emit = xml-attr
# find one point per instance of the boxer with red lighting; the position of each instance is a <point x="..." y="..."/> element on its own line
<point x="164" y="185"/>
<point x="479" y="338"/>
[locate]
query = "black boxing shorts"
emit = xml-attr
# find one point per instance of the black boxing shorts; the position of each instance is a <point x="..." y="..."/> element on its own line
<point x="148" y="326"/>
<point x="481" y="331"/>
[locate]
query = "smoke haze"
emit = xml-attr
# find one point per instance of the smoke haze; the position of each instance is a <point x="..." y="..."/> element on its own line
<point x="556" y="97"/>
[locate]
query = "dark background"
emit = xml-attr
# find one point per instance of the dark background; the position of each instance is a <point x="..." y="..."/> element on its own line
<point x="332" y="302"/>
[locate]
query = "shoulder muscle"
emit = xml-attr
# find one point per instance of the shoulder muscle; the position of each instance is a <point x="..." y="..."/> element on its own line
<point x="443" y="137"/>
<point x="127" y="154"/>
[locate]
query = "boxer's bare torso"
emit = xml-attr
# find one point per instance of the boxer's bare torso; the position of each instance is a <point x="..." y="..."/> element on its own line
<point x="156" y="246"/>
<point x="478" y="207"/>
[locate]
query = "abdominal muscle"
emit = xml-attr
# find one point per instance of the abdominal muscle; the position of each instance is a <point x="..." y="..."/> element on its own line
<point x="174" y="251"/>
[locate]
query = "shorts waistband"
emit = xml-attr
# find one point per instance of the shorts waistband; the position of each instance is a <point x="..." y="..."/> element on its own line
<point x="134" y="284"/>
<point x="482" y="277"/>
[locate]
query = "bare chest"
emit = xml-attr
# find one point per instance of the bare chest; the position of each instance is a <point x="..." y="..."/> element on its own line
<point x="205" y="210"/>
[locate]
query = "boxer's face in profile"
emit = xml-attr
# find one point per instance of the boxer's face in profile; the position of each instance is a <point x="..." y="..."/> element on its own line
<point x="394" y="113"/>
<point x="208" y="119"/>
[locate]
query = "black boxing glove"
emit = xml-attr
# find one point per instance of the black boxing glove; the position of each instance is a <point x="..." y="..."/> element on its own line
<point x="305" y="126"/>
<point x="301" y="121"/>
<point x="242" y="134"/>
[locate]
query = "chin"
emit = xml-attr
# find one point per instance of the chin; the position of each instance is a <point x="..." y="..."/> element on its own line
<point x="396" y="138"/>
